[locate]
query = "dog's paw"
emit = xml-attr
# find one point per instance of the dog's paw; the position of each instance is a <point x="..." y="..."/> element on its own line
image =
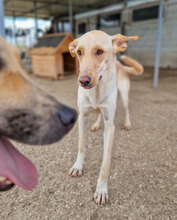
<point x="101" y="194"/>
<point x="128" y="127"/>
<point x="76" y="170"/>
<point x="94" y="127"/>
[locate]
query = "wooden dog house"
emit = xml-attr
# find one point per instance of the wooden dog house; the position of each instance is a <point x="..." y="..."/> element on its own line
<point x="51" y="57"/>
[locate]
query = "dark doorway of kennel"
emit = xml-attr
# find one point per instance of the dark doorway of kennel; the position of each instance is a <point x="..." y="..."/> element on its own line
<point x="69" y="64"/>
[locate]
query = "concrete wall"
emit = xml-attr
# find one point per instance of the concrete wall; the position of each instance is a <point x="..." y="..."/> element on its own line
<point x="144" y="49"/>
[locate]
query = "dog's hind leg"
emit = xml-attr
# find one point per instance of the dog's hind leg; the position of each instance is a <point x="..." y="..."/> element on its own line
<point x="77" y="168"/>
<point x="97" y="123"/>
<point x="123" y="88"/>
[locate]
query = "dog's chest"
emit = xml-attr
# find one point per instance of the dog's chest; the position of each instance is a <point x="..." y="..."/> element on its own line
<point x="94" y="104"/>
<point x="95" y="98"/>
<point x="99" y="97"/>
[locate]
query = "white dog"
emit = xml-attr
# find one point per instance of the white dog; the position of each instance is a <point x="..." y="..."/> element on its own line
<point x="99" y="73"/>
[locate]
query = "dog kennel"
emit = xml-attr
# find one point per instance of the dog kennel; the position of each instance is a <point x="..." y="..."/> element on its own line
<point x="51" y="57"/>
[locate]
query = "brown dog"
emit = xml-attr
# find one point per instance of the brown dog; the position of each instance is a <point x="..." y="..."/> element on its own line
<point x="27" y="114"/>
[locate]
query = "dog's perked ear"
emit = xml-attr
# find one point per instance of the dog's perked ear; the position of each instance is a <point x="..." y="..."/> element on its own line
<point x="119" y="42"/>
<point x="72" y="47"/>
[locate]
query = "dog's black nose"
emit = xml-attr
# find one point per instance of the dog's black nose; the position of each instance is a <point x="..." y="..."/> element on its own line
<point x="85" y="80"/>
<point x="67" y="116"/>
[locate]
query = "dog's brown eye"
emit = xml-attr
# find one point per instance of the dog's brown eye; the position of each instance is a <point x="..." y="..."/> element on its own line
<point x="79" y="52"/>
<point x="99" y="52"/>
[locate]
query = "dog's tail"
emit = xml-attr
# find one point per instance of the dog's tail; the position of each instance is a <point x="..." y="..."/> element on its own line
<point x="133" y="67"/>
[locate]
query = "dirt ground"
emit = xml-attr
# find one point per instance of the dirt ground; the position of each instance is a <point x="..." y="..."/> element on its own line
<point x="143" y="177"/>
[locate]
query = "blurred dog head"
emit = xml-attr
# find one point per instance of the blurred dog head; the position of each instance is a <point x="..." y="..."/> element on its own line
<point x="27" y="114"/>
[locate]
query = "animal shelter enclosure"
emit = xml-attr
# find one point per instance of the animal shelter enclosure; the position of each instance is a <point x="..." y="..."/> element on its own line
<point x="51" y="57"/>
<point x="143" y="175"/>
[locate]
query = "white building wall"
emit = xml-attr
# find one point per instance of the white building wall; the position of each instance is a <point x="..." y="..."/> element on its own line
<point x="111" y="30"/>
<point x="145" y="48"/>
<point x="92" y="23"/>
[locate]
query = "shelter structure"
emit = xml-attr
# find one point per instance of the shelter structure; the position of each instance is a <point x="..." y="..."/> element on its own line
<point x="51" y="57"/>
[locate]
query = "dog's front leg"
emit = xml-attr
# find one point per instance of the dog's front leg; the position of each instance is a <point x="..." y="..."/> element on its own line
<point x="77" y="168"/>
<point x="101" y="193"/>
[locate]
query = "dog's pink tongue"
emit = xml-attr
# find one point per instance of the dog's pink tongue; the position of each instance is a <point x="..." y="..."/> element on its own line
<point x="16" y="167"/>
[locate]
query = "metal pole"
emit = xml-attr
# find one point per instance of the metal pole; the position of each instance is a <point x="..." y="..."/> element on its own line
<point x="36" y="19"/>
<point x="158" y="43"/>
<point x="14" y="29"/>
<point x="71" y="16"/>
<point x="2" y="26"/>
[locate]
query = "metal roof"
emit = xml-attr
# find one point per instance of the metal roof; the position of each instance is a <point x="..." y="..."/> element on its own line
<point x="52" y="8"/>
